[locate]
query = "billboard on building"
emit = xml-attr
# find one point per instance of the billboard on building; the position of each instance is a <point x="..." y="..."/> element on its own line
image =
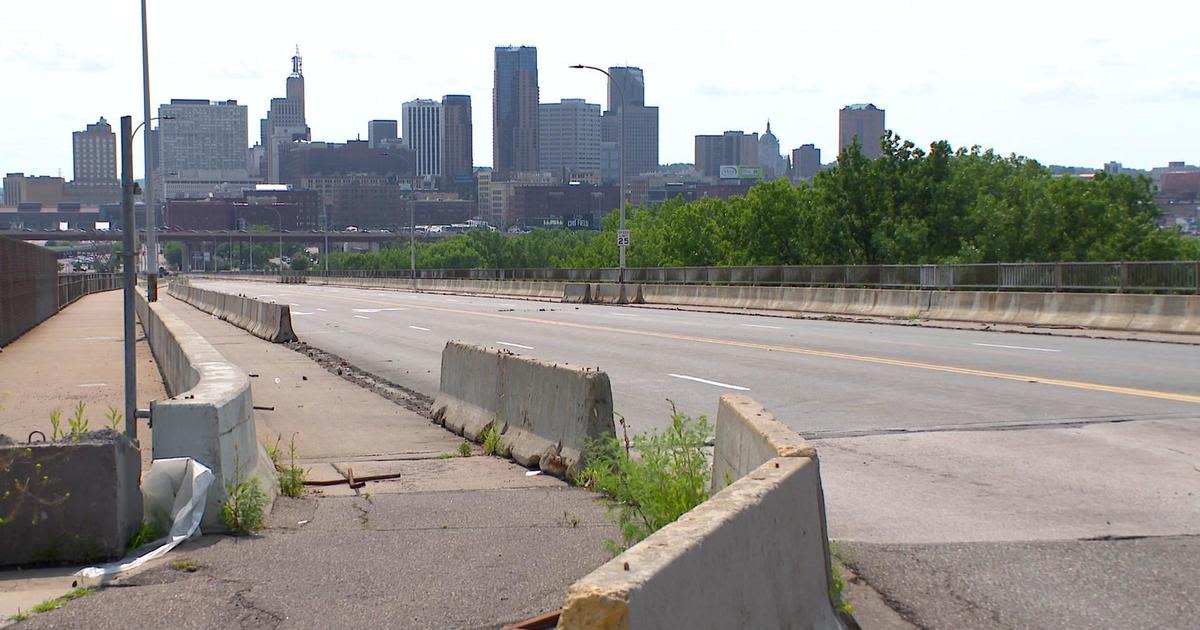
<point x="741" y="172"/>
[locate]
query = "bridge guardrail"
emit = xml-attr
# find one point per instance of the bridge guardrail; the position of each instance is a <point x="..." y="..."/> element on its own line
<point x="1119" y="277"/>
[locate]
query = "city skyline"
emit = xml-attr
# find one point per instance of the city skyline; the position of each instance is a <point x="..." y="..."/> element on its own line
<point x="1041" y="88"/>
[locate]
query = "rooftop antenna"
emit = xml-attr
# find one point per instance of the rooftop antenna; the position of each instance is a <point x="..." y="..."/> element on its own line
<point x="296" y="62"/>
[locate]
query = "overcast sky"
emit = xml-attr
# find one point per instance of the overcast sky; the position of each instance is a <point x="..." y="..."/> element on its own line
<point x="1064" y="82"/>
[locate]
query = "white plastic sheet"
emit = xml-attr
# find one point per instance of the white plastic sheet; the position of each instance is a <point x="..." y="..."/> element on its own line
<point x="173" y="490"/>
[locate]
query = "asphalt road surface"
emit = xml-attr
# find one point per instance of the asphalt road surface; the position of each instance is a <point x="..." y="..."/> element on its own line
<point x="820" y="377"/>
<point x="976" y="479"/>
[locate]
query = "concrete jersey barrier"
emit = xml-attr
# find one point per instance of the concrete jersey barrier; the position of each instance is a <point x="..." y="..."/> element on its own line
<point x="546" y="411"/>
<point x="210" y="415"/>
<point x="265" y="320"/>
<point x="755" y="555"/>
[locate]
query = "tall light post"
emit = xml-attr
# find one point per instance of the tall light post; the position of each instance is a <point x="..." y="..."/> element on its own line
<point x="151" y="237"/>
<point x="622" y="234"/>
<point x="412" y="242"/>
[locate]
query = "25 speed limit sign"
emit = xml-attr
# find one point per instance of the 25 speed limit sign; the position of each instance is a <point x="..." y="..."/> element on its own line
<point x="622" y="238"/>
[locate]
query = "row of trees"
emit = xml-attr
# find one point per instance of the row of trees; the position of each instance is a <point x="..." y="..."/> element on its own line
<point x="908" y="206"/>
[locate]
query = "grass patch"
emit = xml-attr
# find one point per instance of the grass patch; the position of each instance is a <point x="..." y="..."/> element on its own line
<point x="186" y="565"/>
<point x="54" y="604"/>
<point x="670" y="476"/>
<point x="464" y="449"/>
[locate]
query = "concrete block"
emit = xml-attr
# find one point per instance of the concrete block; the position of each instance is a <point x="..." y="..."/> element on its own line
<point x="265" y="320"/>
<point x="69" y="502"/>
<point x="614" y="293"/>
<point x="752" y="556"/>
<point x="547" y="412"/>
<point x="747" y="435"/>
<point x="577" y="293"/>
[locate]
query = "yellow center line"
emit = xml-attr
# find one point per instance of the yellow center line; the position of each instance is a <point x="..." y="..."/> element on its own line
<point x="1095" y="387"/>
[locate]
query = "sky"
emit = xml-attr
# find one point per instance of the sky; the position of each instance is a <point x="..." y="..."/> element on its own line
<point x="1063" y="82"/>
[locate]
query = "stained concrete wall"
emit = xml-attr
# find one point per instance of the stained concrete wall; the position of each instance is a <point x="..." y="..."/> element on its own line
<point x="210" y="415"/>
<point x="75" y="502"/>
<point x="546" y="411"/>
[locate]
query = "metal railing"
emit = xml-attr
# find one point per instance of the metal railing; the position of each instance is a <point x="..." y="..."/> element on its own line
<point x="1145" y="277"/>
<point x="72" y="286"/>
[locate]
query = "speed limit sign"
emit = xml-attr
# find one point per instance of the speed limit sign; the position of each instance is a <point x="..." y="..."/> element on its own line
<point x="622" y="238"/>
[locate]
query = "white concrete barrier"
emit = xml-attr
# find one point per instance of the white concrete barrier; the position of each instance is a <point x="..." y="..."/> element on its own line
<point x="755" y="555"/>
<point x="266" y="320"/>
<point x="614" y="293"/>
<point x="546" y="412"/>
<point x="210" y="415"/>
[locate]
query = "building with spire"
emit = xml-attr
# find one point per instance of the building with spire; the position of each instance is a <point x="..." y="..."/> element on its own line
<point x="773" y="164"/>
<point x="285" y="121"/>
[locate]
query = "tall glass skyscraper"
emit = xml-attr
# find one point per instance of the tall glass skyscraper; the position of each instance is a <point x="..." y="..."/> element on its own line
<point x="515" y="110"/>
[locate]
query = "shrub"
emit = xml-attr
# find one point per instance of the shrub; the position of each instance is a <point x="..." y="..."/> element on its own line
<point x="291" y="477"/>
<point x="669" y="476"/>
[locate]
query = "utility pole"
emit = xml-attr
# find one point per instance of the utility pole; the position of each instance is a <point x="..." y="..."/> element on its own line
<point x="128" y="242"/>
<point x="622" y="233"/>
<point x="148" y="194"/>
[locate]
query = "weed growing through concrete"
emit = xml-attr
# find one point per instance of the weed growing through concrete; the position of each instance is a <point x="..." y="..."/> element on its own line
<point x="491" y="439"/>
<point x="245" y="502"/>
<point x="464" y="449"/>
<point x="145" y="534"/>
<point x="291" y="477"/>
<point x="670" y="476"/>
<point x="53" y="604"/>
<point x="56" y="425"/>
<point x="836" y="586"/>
<point x="444" y="455"/>
<point x="78" y="423"/>
<point x="113" y="418"/>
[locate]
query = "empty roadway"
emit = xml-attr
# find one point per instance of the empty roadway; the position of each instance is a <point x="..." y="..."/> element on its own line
<point x="821" y="377"/>
<point x="1095" y="476"/>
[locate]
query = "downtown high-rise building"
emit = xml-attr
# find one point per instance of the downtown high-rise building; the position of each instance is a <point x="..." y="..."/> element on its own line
<point x="95" y="153"/>
<point x="201" y="147"/>
<point x="95" y="164"/>
<point x="457" y="152"/>
<point x="515" y="111"/>
<point x="864" y="122"/>
<point x="382" y="132"/>
<point x="421" y="120"/>
<point x="570" y="140"/>
<point x="732" y="148"/>
<point x="628" y="85"/>
<point x="806" y="161"/>
<point x="285" y="121"/>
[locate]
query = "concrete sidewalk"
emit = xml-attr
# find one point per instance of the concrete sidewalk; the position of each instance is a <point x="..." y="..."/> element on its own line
<point x="454" y="542"/>
<point x="75" y="356"/>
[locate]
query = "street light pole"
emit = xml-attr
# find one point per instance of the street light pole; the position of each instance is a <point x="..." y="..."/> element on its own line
<point x="622" y="240"/>
<point x="148" y="189"/>
<point x="279" y="217"/>
<point x="128" y="236"/>
<point x="412" y="242"/>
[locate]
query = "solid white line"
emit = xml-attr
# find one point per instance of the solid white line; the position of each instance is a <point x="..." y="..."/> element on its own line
<point x="419" y="328"/>
<point x="515" y="345"/>
<point x="762" y="326"/>
<point x="93" y="385"/>
<point x="708" y="382"/>
<point x="362" y="317"/>
<point x="300" y="313"/>
<point x="996" y="345"/>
